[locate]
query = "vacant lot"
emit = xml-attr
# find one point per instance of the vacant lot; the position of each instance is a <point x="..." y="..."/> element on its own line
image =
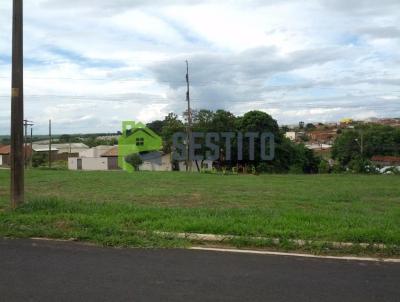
<point x="111" y="207"/>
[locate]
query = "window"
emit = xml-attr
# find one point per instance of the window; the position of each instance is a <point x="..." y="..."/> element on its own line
<point x="140" y="141"/>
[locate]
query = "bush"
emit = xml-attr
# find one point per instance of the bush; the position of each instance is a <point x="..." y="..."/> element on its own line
<point x="362" y="165"/>
<point x="134" y="160"/>
<point x="296" y="169"/>
<point x="324" y="167"/>
<point x="39" y="159"/>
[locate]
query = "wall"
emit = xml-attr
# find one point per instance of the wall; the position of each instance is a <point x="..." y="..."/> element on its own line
<point x="95" y="152"/>
<point x="89" y="164"/>
<point x="95" y="164"/>
<point x="1" y="160"/>
<point x="72" y="163"/>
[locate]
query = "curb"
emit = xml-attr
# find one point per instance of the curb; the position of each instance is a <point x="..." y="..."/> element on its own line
<point x="258" y="252"/>
<point x="298" y="242"/>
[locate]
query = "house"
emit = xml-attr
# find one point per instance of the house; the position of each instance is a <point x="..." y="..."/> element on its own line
<point x="294" y="135"/>
<point x="384" y="161"/>
<point x="322" y="136"/>
<point x="291" y="135"/>
<point x="152" y="161"/>
<point x="5" y="155"/>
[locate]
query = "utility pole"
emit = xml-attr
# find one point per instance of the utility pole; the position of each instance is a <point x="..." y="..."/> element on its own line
<point x="49" y="143"/>
<point x="26" y="124"/>
<point x="189" y="114"/>
<point x="31" y="158"/>
<point x="362" y="143"/>
<point x="17" y="107"/>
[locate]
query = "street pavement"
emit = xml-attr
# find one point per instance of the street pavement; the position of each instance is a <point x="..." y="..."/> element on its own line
<point x="36" y="270"/>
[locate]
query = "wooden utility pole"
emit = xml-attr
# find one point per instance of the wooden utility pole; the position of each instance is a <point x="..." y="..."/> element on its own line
<point x="17" y="107"/>
<point x="31" y="158"/>
<point x="49" y="143"/>
<point x="189" y="114"/>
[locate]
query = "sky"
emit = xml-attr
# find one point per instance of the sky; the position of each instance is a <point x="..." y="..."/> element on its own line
<point x="91" y="64"/>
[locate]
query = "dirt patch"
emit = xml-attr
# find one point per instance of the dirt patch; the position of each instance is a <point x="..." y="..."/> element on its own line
<point x="63" y="225"/>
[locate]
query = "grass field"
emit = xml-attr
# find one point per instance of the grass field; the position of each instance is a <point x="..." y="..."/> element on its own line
<point x="117" y="208"/>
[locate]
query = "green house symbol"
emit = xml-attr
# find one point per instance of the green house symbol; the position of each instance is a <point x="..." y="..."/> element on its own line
<point x="136" y="138"/>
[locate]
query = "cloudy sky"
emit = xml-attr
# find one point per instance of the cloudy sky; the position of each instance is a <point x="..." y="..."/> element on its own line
<point x="89" y="64"/>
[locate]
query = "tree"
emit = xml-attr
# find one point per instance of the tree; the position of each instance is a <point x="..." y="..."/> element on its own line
<point x="310" y="126"/>
<point x="134" y="160"/>
<point x="65" y="138"/>
<point x="371" y="139"/>
<point x="171" y="125"/>
<point x="39" y="159"/>
<point x="156" y="126"/>
<point x="224" y="121"/>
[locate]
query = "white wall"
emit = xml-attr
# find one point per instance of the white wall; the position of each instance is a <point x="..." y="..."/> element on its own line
<point x="291" y="135"/>
<point x="1" y="160"/>
<point x="89" y="164"/>
<point x="95" y="164"/>
<point x="72" y="163"/>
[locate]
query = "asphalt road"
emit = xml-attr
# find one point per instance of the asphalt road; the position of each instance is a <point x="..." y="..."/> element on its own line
<point x="54" y="271"/>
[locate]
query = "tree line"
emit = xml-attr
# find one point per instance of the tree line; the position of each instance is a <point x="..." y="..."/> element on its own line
<point x="289" y="157"/>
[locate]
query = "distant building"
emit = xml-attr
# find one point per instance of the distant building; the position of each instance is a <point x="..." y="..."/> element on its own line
<point x="322" y="136"/>
<point x="291" y="135"/>
<point x="294" y="135"/>
<point x="346" y="121"/>
<point x="383" y="161"/>
<point x="97" y="151"/>
<point x="5" y="155"/>
<point x="62" y="148"/>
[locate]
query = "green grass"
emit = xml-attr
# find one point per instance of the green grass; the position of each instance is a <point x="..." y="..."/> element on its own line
<point x="115" y="208"/>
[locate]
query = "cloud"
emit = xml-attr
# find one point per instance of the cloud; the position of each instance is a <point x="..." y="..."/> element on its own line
<point x="91" y="64"/>
<point x="385" y="32"/>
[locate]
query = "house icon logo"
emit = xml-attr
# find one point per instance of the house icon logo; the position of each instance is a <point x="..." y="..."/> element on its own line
<point x="135" y="139"/>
